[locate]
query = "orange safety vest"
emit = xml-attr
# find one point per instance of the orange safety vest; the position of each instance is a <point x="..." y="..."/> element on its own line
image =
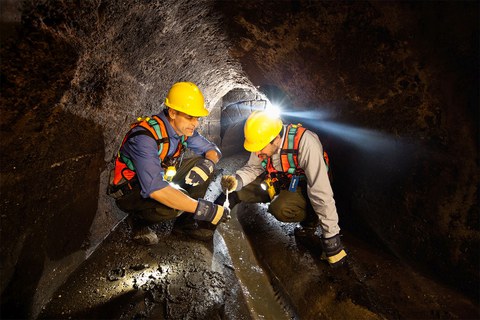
<point x="289" y="154"/>
<point x="155" y="128"/>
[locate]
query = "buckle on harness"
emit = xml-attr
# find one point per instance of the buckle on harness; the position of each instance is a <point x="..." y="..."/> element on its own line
<point x="123" y="188"/>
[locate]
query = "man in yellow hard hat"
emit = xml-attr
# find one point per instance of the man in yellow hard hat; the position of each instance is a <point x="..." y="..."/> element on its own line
<point x="153" y="183"/>
<point x="287" y="168"/>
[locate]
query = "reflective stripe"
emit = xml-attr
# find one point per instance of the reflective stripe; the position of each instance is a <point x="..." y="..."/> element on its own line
<point x="218" y="215"/>
<point x="201" y="173"/>
<point x="339" y="256"/>
<point x="292" y="131"/>
<point x="289" y="151"/>
<point x="161" y="132"/>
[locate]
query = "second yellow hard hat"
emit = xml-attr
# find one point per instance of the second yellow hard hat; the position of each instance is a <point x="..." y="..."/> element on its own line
<point x="260" y="129"/>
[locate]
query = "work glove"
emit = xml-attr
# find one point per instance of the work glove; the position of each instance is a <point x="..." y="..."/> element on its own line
<point x="229" y="183"/>
<point x="233" y="200"/>
<point x="213" y="213"/>
<point x="200" y="172"/>
<point x="333" y="250"/>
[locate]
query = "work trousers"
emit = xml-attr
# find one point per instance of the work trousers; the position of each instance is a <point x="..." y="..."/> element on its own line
<point x="286" y="206"/>
<point x="151" y="211"/>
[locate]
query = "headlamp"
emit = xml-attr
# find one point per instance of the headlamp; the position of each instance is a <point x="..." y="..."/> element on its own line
<point x="170" y="173"/>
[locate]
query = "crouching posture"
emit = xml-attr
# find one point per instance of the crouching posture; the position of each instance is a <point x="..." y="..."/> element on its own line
<point x="153" y="183"/>
<point x="287" y="168"/>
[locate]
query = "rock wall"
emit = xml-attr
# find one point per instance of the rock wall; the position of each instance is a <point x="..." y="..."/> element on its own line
<point x="394" y="90"/>
<point x="396" y="85"/>
<point x="73" y="77"/>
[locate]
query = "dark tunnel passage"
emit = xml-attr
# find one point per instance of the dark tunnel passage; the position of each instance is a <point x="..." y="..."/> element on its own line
<point x="390" y="88"/>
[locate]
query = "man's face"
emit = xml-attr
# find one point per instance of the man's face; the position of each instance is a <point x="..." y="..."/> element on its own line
<point x="183" y="123"/>
<point x="269" y="150"/>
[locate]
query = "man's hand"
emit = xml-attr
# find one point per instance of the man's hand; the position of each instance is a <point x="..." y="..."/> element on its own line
<point x="229" y="183"/>
<point x="200" y="172"/>
<point x="208" y="211"/>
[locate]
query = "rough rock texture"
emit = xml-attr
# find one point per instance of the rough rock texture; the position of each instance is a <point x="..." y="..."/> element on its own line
<point x="77" y="74"/>
<point x="397" y="84"/>
<point x="158" y="282"/>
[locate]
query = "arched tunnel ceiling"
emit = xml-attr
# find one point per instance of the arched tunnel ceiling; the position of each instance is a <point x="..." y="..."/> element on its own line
<point x="396" y="83"/>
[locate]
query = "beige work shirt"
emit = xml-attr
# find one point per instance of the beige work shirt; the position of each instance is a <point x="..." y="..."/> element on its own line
<point x="319" y="190"/>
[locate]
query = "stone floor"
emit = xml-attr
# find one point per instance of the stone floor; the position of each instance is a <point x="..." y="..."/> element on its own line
<point x="252" y="269"/>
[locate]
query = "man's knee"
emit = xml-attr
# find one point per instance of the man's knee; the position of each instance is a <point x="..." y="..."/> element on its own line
<point x="159" y="214"/>
<point x="287" y="213"/>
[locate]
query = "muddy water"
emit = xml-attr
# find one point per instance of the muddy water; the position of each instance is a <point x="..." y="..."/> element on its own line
<point x="263" y="302"/>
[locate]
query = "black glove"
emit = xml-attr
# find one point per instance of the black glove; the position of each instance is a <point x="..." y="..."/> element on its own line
<point x="208" y="211"/>
<point x="232" y="198"/>
<point x="200" y="172"/>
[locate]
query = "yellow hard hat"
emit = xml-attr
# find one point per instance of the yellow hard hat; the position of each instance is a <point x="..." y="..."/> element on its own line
<point x="260" y="129"/>
<point x="187" y="98"/>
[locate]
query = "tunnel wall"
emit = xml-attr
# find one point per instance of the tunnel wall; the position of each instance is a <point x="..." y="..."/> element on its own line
<point x="77" y="73"/>
<point x="74" y="76"/>
<point x="395" y="90"/>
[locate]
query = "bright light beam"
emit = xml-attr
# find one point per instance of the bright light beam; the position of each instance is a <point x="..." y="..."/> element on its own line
<point x="363" y="138"/>
<point x="273" y="110"/>
<point x="316" y="115"/>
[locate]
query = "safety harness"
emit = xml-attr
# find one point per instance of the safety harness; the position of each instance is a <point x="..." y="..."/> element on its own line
<point x="291" y="173"/>
<point x="124" y="176"/>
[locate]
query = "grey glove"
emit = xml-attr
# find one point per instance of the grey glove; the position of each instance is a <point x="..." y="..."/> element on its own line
<point x="200" y="172"/>
<point x="208" y="211"/>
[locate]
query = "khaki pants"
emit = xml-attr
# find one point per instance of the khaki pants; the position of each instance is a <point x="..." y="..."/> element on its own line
<point x="287" y="206"/>
<point x="152" y="211"/>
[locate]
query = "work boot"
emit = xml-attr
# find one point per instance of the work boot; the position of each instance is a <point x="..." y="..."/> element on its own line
<point x="144" y="236"/>
<point x="141" y="232"/>
<point x="304" y="232"/>
<point x="308" y="226"/>
<point x="187" y="225"/>
<point x="333" y="251"/>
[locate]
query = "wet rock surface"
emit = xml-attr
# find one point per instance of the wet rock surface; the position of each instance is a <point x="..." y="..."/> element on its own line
<point x="180" y="278"/>
<point x="176" y="279"/>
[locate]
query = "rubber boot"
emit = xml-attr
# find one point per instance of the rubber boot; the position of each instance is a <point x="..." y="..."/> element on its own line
<point x="333" y="251"/>
<point x="308" y="226"/>
<point x="141" y="232"/>
<point x="200" y="230"/>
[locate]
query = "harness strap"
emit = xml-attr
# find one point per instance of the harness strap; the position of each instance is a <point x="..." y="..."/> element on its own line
<point x="155" y="128"/>
<point x="162" y="136"/>
<point x="144" y="132"/>
<point x="290" y="151"/>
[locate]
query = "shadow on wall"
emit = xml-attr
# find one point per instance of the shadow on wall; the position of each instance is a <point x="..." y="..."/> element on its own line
<point x="51" y="163"/>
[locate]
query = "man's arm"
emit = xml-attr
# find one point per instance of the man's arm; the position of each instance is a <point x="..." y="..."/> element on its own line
<point x="175" y="199"/>
<point x="204" y="167"/>
<point x="251" y="170"/>
<point x="202" y="209"/>
<point x="213" y="155"/>
<point x="319" y="190"/>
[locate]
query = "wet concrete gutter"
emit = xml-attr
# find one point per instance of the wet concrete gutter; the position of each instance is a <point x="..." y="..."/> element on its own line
<point x="373" y="284"/>
<point x="262" y="299"/>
